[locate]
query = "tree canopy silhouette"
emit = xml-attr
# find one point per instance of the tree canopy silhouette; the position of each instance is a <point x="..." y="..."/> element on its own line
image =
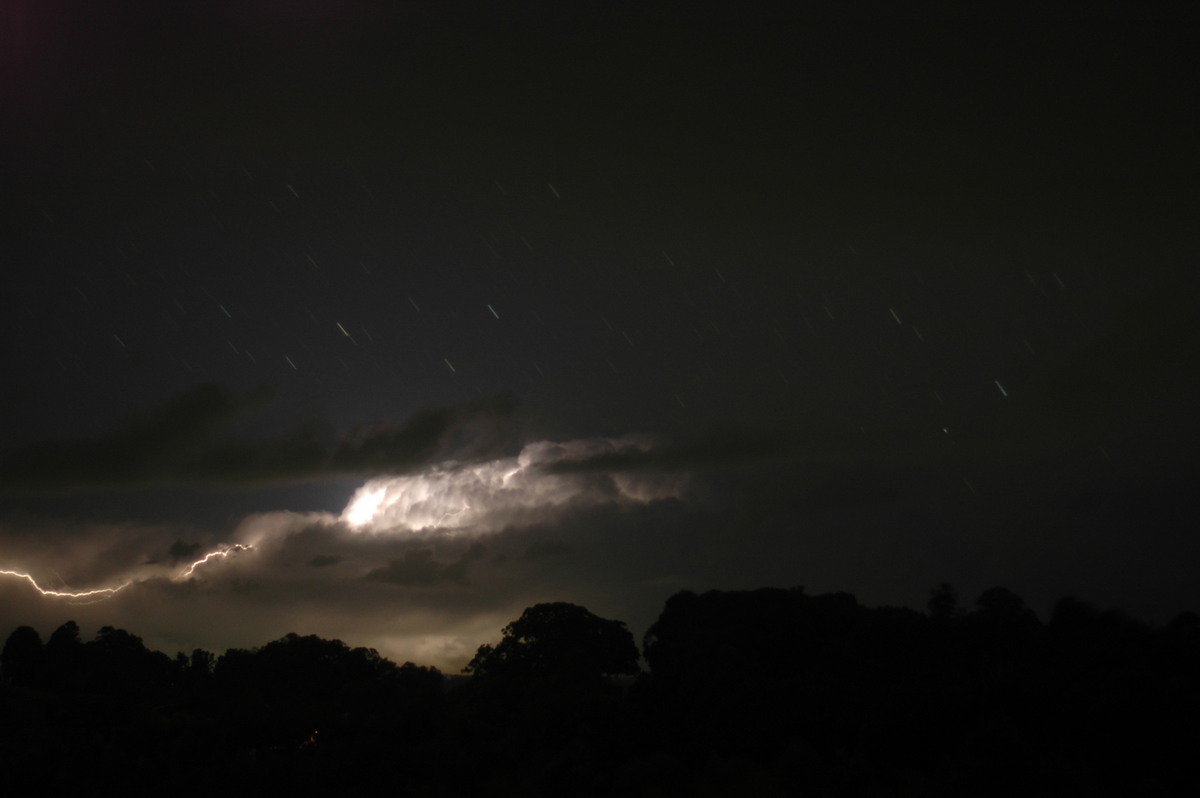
<point x="559" y="639"/>
<point x="22" y="656"/>
<point x="769" y="692"/>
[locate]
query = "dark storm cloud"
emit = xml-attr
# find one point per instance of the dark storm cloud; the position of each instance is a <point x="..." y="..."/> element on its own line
<point x="714" y="448"/>
<point x="195" y="438"/>
<point x="183" y="551"/>
<point x="148" y="442"/>
<point x="417" y="567"/>
<point x="466" y="432"/>
<point x="540" y="549"/>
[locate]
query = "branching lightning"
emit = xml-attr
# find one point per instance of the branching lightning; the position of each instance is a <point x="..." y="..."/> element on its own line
<point x="460" y="511"/>
<point x="96" y="594"/>
<point x="102" y="593"/>
<point x="222" y="552"/>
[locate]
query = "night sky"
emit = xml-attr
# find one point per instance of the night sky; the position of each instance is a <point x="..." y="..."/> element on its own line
<point x="597" y="306"/>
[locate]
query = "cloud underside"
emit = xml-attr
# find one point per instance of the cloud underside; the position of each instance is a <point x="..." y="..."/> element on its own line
<point x="198" y="438"/>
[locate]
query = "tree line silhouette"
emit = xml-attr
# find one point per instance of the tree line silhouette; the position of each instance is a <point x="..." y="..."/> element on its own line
<point x="764" y="692"/>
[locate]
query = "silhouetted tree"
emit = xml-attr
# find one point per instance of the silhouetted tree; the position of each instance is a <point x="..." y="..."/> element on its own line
<point x="201" y="663"/>
<point x="1001" y="628"/>
<point x="65" y="667"/>
<point x="282" y="693"/>
<point x="118" y="662"/>
<point x="65" y="637"/>
<point x="561" y="640"/>
<point x="1186" y="623"/>
<point x="1001" y="603"/>
<point x="538" y="711"/>
<point x="750" y="692"/>
<point x="1182" y="635"/>
<point x="770" y="664"/>
<point x="21" y="658"/>
<point x="943" y="601"/>
<point x="735" y="634"/>
<point x="195" y="673"/>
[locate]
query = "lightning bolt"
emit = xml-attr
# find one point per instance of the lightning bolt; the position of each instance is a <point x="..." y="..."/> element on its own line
<point x="462" y="510"/>
<point x="102" y="593"/>
<point x="222" y="552"/>
<point x="97" y="594"/>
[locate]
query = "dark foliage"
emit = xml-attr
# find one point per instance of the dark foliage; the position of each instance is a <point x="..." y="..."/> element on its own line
<point x="559" y="640"/>
<point x="22" y="657"/>
<point x="767" y="692"/>
<point x="540" y="709"/>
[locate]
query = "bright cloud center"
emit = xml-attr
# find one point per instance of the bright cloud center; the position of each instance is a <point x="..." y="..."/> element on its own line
<point x="485" y="496"/>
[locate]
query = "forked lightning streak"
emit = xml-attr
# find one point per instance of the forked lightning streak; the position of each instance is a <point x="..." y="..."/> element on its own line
<point x="101" y="593"/>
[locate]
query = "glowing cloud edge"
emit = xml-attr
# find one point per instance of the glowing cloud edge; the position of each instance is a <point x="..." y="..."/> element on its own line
<point x="483" y="497"/>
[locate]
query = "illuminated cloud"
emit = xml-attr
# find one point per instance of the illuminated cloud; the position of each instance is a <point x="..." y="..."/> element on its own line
<point x="540" y="485"/>
<point x="486" y="497"/>
<point x="424" y="566"/>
